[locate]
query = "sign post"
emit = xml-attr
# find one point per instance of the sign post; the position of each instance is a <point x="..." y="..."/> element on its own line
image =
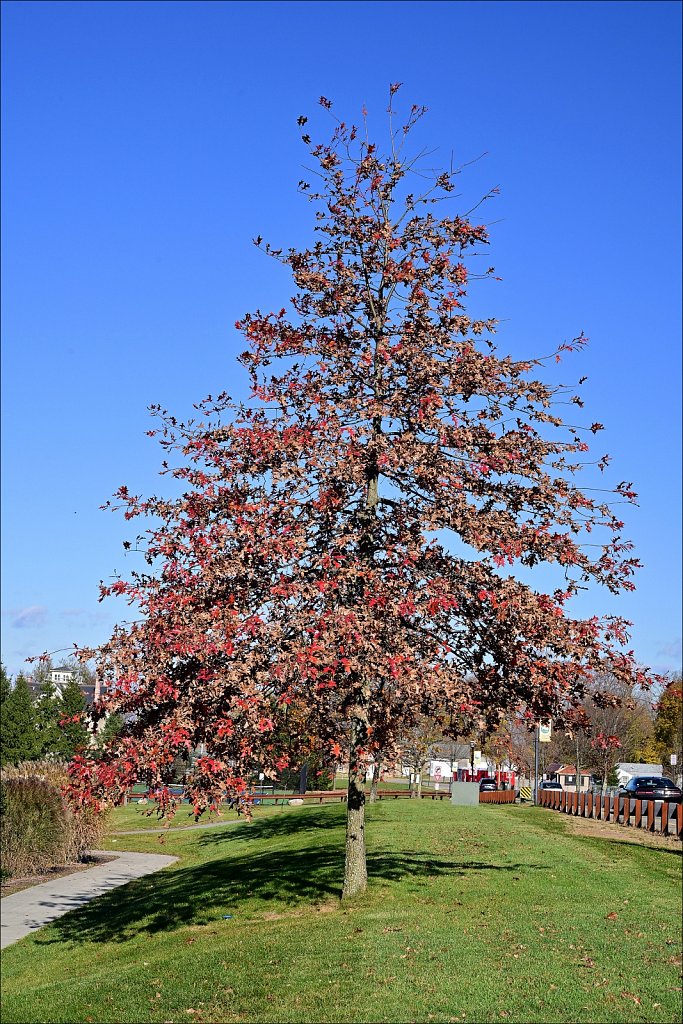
<point x="543" y="735"/>
<point x="536" y="766"/>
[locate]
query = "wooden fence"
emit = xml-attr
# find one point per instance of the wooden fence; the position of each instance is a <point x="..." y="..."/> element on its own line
<point x="654" y="815"/>
<point x="325" y="796"/>
<point x="499" y="796"/>
<point x="339" y="795"/>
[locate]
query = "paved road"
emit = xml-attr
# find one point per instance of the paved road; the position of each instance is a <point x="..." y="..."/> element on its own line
<point x="27" y="911"/>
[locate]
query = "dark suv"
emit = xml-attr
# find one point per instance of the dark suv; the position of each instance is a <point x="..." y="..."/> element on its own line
<point x="652" y="787"/>
<point x="488" y="786"/>
<point x="553" y="786"/>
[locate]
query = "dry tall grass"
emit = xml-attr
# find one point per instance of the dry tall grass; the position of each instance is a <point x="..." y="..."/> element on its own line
<point x="39" y="827"/>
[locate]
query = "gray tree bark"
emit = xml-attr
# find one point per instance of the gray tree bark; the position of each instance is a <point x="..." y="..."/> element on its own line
<point x="355" y="868"/>
<point x="375" y="781"/>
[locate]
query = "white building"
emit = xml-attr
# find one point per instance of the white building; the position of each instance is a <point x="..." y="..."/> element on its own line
<point x="59" y="677"/>
<point x="627" y="770"/>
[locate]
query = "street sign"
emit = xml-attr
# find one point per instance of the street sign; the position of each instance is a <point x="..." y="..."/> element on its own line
<point x="674" y="759"/>
<point x="544" y="732"/>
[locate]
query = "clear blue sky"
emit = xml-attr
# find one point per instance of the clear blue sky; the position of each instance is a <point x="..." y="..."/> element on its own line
<point x="145" y="144"/>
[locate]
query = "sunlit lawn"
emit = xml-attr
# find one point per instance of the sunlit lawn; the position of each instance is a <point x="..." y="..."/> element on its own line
<point x="476" y="914"/>
<point x="143" y="816"/>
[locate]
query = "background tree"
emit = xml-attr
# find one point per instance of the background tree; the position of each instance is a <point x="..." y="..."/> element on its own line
<point x="613" y="723"/>
<point x="619" y="723"/>
<point x="497" y="747"/>
<point x="48" y="713"/>
<point x="415" y="747"/>
<point x="668" y="727"/>
<point x="41" y="673"/>
<point x="522" y="747"/>
<point x="306" y="562"/>
<point x="74" y="734"/>
<point x="18" y="735"/>
<point x="5" y="685"/>
<point x="112" y="728"/>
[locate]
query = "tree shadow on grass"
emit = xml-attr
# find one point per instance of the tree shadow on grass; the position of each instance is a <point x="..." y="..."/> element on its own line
<point x="240" y="883"/>
<point x="288" y="823"/>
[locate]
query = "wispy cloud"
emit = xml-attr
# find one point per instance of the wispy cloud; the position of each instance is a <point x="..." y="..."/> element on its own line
<point x="671" y="650"/>
<point x="83" y="616"/>
<point x="27" y="618"/>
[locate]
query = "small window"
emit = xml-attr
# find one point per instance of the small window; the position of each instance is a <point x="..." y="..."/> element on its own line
<point x="570" y="780"/>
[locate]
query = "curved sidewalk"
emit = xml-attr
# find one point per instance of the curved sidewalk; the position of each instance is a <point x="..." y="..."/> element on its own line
<point x="27" y="911"/>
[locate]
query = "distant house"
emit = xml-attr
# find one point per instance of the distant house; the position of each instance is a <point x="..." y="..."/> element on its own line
<point x="627" y="770"/>
<point x="565" y="774"/>
<point x="446" y="758"/>
<point x="60" y="677"/>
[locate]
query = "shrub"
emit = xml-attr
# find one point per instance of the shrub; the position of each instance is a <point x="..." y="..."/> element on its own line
<point x="81" y="830"/>
<point x="34" y="833"/>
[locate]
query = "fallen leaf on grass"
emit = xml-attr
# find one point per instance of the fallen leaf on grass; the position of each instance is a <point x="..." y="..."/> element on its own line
<point x="630" y="995"/>
<point x="611" y="917"/>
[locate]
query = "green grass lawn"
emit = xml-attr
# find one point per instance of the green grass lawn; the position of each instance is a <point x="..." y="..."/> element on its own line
<point x="472" y="914"/>
<point x="136" y="815"/>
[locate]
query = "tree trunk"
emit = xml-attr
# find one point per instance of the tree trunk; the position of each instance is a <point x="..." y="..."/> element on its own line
<point x="375" y="780"/>
<point x="355" y="868"/>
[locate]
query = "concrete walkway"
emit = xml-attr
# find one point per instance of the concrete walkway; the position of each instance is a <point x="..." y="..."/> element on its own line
<point x="27" y="911"/>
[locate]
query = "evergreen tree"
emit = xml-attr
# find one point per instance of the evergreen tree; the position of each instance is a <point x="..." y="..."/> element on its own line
<point x="111" y="729"/>
<point x="18" y="736"/>
<point x="5" y="685"/>
<point x="48" y="713"/>
<point x="74" y="733"/>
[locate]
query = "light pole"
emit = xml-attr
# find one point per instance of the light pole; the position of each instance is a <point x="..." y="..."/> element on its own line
<point x="536" y="765"/>
<point x="472" y="746"/>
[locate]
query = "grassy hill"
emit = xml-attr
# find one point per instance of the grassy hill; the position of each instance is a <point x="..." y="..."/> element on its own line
<point x="473" y="914"/>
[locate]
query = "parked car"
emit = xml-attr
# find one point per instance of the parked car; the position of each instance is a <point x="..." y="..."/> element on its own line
<point x="557" y="786"/>
<point x="652" y="787"/>
<point x="488" y="786"/>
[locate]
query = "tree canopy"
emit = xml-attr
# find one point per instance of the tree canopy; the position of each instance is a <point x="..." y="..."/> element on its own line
<point x="18" y="736"/>
<point x="349" y="550"/>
